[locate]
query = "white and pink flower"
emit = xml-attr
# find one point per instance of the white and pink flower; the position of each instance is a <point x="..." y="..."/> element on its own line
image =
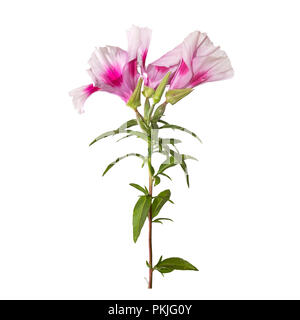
<point x="195" y="61"/>
<point x="115" y="70"/>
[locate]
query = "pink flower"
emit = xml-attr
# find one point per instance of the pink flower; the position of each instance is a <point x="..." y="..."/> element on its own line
<point x="81" y="94"/>
<point x="138" y="40"/>
<point x="114" y="70"/>
<point x="196" y="60"/>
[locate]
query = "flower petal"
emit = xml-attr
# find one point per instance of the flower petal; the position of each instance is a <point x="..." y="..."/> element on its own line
<point x="106" y="66"/>
<point x="184" y="73"/>
<point x="81" y="94"/>
<point x="138" y="44"/>
<point x="178" y="61"/>
<point x="210" y="63"/>
<point x="159" y="68"/>
<point x="111" y="71"/>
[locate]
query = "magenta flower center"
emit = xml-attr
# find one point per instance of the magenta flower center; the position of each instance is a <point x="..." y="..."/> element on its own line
<point x="113" y="76"/>
<point x="90" y="89"/>
<point x="199" y="78"/>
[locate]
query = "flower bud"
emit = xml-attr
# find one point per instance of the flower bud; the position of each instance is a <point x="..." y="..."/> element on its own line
<point x="148" y="92"/>
<point x="141" y="122"/>
<point x="173" y="96"/>
<point x="135" y="99"/>
<point x="159" y="111"/>
<point x="147" y="109"/>
<point x="161" y="88"/>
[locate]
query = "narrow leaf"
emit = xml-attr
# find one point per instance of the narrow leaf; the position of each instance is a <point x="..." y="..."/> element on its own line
<point x="137" y="186"/>
<point x="163" y="174"/>
<point x="185" y="170"/>
<point x="140" y="213"/>
<point x="159" y="201"/>
<point x="121" y="129"/>
<point x="158" y="220"/>
<point x="176" y="127"/>
<point x="121" y="158"/>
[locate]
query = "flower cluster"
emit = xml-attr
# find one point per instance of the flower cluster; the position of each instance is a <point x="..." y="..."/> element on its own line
<point x="195" y="61"/>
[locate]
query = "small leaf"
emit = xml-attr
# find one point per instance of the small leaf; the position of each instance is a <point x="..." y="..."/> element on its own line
<point x="185" y="170"/>
<point x="134" y="185"/>
<point x="125" y="137"/>
<point x="170" y="162"/>
<point x="121" y="129"/>
<point x="121" y="158"/>
<point x="140" y="213"/>
<point x="156" y="180"/>
<point x="158" y="220"/>
<point x="138" y="134"/>
<point x="176" y="127"/>
<point x="148" y="265"/>
<point x="174" y="159"/>
<point x="152" y="170"/>
<point x="163" y="174"/>
<point x="159" y="201"/>
<point x="171" y="264"/>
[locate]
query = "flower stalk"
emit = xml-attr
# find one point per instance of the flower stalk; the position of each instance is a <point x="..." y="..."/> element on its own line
<point x="150" y="211"/>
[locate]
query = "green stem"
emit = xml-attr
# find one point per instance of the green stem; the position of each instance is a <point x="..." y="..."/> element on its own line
<point x="150" y="212"/>
<point x="150" y="168"/>
<point x="151" y="111"/>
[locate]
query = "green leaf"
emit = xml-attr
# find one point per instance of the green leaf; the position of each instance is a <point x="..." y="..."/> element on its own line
<point x="176" y="127"/>
<point x="163" y="174"/>
<point x="158" y="220"/>
<point x="138" y="134"/>
<point x="159" y="201"/>
<point x="140" y="213"/>
<point x="185" y="170"/>
<point x="156" y="180"/>
<point x="170" y="162"/>
<point x="151" y="169"/>
<point x="163" y="143"/>
<point x="171" y="264"/>
<point x="125" y="137"/>
<point x="137" y="186"/>
<point x="121" y="158"/>
<point x="174" y="159"/>
<point x="180" y="157"/>
<point x="121" y="129"/>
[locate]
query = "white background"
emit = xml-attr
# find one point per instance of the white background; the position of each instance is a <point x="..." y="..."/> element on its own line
<point x="65" y="232"/>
